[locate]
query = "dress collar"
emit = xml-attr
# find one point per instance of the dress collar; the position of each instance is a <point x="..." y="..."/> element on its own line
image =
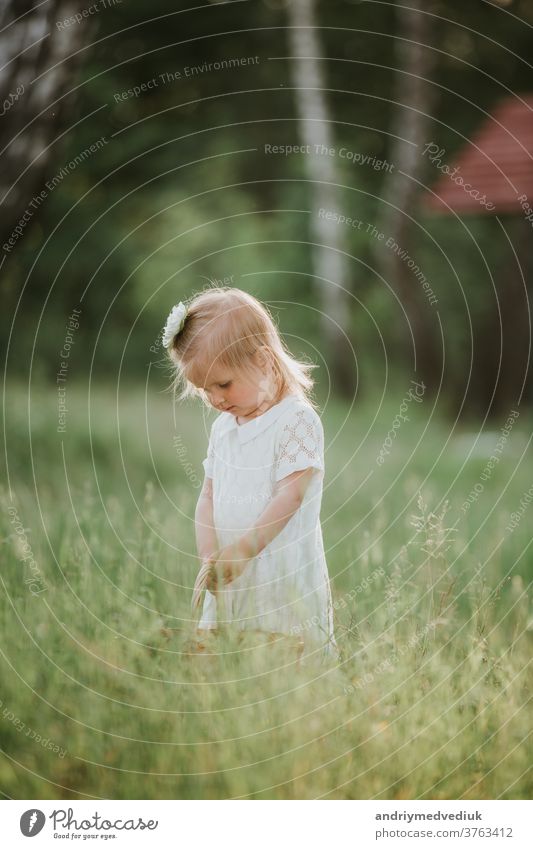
<point x="250" y="429"/>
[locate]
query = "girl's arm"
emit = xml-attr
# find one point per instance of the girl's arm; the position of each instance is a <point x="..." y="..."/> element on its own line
<point x="206" y="537"/>
<point x="286" y="499"/>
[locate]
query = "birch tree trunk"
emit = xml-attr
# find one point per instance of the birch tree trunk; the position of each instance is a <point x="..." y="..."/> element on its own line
<point x="414" y="98"/>
<point x="329" y="263"/>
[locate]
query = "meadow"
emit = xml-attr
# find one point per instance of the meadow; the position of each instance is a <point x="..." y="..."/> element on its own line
<point x="428" y="548"/>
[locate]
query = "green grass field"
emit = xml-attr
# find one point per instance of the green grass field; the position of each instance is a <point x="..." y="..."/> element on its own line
<point x="99" y="698"/>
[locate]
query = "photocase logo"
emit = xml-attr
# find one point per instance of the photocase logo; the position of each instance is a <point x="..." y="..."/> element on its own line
<point x="32" y="822"/>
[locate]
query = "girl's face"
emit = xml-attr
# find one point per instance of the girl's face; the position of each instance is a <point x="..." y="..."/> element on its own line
<point x="239" y="393"/>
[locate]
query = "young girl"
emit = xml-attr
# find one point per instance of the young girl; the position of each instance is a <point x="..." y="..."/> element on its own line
<point x="257" y="519"/>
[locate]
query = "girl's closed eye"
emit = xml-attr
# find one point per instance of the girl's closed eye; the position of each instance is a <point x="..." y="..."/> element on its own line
<point x="225" y="385"/>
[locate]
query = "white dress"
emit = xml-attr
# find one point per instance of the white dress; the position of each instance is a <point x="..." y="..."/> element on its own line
<point x="285" y="588"/>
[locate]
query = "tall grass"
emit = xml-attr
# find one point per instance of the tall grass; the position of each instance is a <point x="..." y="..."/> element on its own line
<point x="102" y="697"/>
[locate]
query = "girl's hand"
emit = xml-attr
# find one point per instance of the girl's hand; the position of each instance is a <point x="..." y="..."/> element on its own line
<point x="219" y="569"/>
<point x="206" y="579"/>
<point x="230" y="563"/>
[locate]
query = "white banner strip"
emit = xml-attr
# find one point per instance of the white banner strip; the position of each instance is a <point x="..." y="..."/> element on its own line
<point x="268" y="824"/>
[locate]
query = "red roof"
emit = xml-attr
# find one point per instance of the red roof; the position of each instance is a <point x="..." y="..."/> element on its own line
<point x="496" y="166"/>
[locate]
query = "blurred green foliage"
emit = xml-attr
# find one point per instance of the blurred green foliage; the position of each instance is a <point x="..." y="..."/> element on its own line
<point x="183" y="190"/>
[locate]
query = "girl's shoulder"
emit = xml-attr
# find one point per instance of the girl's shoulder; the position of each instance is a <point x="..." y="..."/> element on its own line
<point x="300" y="409"/>
<point x="218" y="424"/>
<point x="292" y="414"/>
<point x="299" y="418"/>
<point x="299" y="440"/>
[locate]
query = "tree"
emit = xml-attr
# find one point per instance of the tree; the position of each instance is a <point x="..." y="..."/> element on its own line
<point x="37" y="56"/>
<point x="329" y="261"/>
<point x="413" y="98"/>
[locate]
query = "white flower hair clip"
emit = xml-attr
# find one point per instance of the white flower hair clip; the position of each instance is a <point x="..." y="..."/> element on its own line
<point x="174" y="324"/>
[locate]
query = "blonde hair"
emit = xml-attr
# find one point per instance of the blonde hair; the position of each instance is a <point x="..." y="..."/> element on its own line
<point x="227" y="327"/>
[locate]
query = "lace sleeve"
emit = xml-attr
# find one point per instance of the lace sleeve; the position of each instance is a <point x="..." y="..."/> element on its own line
<point x="300" y="444"/>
